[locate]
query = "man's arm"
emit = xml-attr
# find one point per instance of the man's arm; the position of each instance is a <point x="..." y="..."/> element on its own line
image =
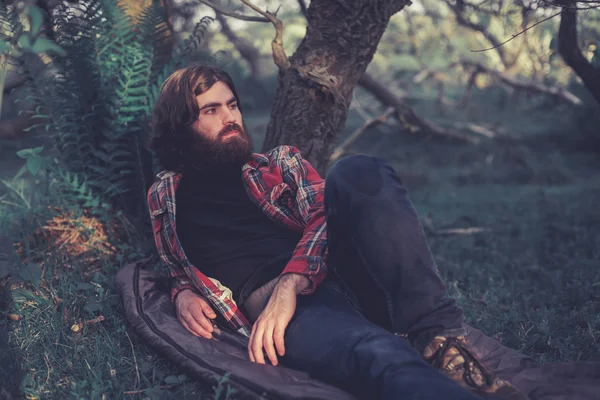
<point x="193" y="311"/>
<point x="179" y="279"/>
<point x="269" y="329"/>
<point x="310" y="254"/>
<point x="306" y="269"/>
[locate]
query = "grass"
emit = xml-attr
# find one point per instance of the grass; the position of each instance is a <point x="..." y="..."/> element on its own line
<point x="62" y="356"/>
<point x="531" y="280"/>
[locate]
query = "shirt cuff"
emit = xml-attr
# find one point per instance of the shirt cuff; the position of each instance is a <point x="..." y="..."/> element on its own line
<point x="179" y="285"/>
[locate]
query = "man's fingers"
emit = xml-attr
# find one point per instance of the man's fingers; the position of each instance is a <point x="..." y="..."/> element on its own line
<point x="257" y="345"/>
<point x="186" y="326"/>
<point x="207" y="309"/>
<point x="268" y="345"/>
<point x="201" y="320"/>
<point x="278" y="337"/>
<point x="196" y="327"/>
<point x="196" y="331"/>
<point x="250" y="341"/>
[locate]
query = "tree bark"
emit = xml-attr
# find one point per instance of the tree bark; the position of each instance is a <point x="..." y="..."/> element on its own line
<point x="314" y="93"/>
<point x="571" y="53"/>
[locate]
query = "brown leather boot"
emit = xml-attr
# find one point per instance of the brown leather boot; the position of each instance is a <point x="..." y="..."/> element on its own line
<point x="451" y="356"/>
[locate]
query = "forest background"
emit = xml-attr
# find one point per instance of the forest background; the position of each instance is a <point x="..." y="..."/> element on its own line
<point x="488" y="110"/>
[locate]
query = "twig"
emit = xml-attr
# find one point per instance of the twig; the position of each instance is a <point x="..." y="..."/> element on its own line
<point x="360" y="110"/>
<point x="79" y="326"/>
<point x="137" y="370"/>
<point x="515" y="35"/>
<point x="232" y="14"/>
<point x="132" y="392"/>
<point x="279" y="56"/>
<point x="342" y="148"/>
<point x="475" y="128"/>
<point x="489" y="36"/>
<point x="460" y="231"/>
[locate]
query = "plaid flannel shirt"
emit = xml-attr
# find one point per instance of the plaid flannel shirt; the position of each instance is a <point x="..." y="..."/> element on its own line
<point x="287" y="188"/>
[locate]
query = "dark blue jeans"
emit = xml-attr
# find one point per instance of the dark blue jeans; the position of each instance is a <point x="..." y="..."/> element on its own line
<point x="382" y="280"/>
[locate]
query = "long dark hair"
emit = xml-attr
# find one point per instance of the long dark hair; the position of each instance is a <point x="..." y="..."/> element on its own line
<point x="176" y="109"/>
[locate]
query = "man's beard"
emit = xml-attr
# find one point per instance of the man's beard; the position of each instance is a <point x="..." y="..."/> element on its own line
<point x="217" y="154"/>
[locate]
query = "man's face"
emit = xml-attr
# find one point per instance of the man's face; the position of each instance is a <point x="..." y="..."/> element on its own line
<point x="220" y="137"/>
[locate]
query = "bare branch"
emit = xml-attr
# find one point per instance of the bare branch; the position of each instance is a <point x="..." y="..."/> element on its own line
<point x="431" y="230"/>
<point x="343" y="148"/>
<point x="279" y="56"/>
<point x="465" y="21"/>
<point x="475" y="128"/>
<point x="596" y="4"/>
<point x="497" y="46"/>
<point x="232" y="14"/>
<point x="530" y="86"/>
<point x="406" y="115"/>
<point x="460" y="231"/>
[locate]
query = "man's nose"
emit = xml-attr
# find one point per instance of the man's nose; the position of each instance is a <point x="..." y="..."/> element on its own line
<point x="229" y="117"/>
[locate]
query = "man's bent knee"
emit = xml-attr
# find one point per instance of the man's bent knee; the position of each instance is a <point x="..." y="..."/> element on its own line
<point x="362" y="172"/>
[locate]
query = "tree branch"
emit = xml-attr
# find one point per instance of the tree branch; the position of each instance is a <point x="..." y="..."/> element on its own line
<point x="406" y="115"/>
<point x="498" y="45"/>
<point x="464" y="21"/>
<point x="343" y="148"/>
<point x="530" y="86"/>
<point x="232" y="14"/>
<point x="279" y="56"/>
<point x="568" y="47"/>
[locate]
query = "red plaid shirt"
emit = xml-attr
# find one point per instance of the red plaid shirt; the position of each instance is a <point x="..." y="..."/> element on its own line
<point x="287" y="188"/>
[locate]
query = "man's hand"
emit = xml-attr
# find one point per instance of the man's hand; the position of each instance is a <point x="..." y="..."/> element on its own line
<point x="194" y="313"/>
<point x="269" y="328"/>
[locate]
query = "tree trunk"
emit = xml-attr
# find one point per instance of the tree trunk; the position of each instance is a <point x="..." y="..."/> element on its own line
<point x="568" y="48"/>
<point x="314" y="93"/>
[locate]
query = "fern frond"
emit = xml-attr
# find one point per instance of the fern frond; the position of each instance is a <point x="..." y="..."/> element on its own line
<point x="155" y="29"/>
<point x="96" y="101"/>
<point x="180" y="55"/>
<point x="10" y="24"/>
<point x="73" y="187"/>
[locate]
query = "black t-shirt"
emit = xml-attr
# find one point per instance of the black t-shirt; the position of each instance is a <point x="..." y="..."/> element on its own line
<point x="226" y="235"/>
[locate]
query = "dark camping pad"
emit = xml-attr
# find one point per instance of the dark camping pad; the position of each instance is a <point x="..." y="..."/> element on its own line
<point x="149" y="311"/>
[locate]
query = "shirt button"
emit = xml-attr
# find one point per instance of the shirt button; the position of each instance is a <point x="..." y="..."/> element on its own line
<point x="313" y="267"/>
<point x="282" y="201"/>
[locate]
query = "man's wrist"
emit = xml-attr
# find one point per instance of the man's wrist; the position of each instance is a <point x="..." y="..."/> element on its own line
<point x="298" y="282"/>
<point x="180" y="292"/>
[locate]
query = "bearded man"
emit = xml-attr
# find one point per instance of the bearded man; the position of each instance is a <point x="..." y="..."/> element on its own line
<point x="331" y="276"/>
